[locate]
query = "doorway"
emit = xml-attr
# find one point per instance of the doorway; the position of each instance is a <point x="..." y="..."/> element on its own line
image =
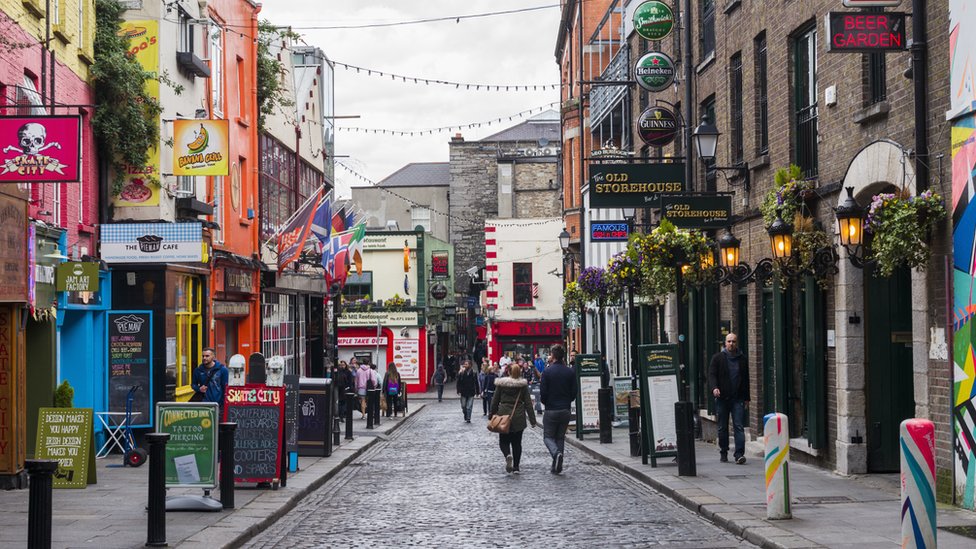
<point x="225" y="336"/>
<point x="888" y="364"/>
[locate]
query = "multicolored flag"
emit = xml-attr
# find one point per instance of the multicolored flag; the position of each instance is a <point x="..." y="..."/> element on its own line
<point x="339" y="261"/>
<point x="339" y="221"/>
<point x="321" y="228"/>
<point x="291" y="239"/>
<point x="356" y="246"/>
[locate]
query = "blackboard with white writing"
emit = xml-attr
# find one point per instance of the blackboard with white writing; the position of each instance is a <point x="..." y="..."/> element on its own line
<point x="259" y="412"/>
<point x="130" y="364"/>
<point x="291" y="412"/>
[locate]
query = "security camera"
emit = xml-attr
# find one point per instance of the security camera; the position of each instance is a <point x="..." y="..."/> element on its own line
<point x="472" y="272"/>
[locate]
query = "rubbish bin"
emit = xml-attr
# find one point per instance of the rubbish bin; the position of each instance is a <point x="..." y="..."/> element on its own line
<point x="315" y="417"/>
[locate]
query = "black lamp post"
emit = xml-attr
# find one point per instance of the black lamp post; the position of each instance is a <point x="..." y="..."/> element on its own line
<point x="781" y="238"/>
<point x="569" y="255"/>
<point x="706" y="141"/>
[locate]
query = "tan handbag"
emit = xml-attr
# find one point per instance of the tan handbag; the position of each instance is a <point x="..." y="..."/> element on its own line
<point x="501" y="424"/>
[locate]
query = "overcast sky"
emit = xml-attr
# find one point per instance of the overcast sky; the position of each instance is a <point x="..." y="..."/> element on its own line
<point x="503" y="49"/>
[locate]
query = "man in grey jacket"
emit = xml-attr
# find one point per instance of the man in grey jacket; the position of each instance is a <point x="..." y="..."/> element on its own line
<point x="557" y="392"/>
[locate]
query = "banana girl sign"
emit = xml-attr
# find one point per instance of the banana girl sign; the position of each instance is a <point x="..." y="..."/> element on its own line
<point x="39" y="149"/>
<point x="200" y="147"/>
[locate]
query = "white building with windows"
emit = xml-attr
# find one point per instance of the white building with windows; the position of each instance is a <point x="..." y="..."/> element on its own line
<point x="415" y="195"/>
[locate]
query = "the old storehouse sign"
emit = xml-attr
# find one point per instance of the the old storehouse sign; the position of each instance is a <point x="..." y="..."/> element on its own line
<point x="654" y="71"/>
<point x="866" y="32"/>
<point x="657" y="126"/>
<point x="654" y="20"/>
<point x="633" y="185"/>
<point x="697" y="211"/>
<point x="39" y="149"/>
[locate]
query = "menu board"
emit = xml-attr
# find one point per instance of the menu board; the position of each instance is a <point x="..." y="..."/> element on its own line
<point x="130" y="363"/>
<point x="659" y="392"/>
<point x="65" y="434"/>
<point x="406" y="356"/>
<point x="291" y="412"/>
<point x="621" y="396"/>
<point x="191" y="453"/>
<point x="588" y="372"/>
<point x="259" y="412"/>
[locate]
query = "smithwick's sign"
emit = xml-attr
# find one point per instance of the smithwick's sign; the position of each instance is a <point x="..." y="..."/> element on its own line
<point x="654" y="20"/>
<point x="200" y="147"/>
<point x="40" y="149"/>
<point x="865" y="32"/>
<point x="152" y="242"/>
<point x="633" y="185"/>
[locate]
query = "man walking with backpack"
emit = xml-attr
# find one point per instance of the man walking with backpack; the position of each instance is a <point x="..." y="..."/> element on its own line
<point x="467" y="387"/>
<point x="557" y="391"/>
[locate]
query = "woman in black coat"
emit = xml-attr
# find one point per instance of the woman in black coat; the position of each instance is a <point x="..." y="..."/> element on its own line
<point x="512" y="397"/>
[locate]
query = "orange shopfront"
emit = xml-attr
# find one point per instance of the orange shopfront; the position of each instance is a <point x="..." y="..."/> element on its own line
<point x="237" y="323"/>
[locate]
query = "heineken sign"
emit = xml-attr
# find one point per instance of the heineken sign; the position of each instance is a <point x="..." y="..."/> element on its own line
<point x="654" y="20"/>
<point x="658" y="126"/>
<point x="77" y="277"/>
<point x="697" y="211"/>
<point x="633" y="185"/>
<point x="654" y="71"/>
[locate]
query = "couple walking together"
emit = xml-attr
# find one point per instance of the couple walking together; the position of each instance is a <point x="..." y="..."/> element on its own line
<point x="513" y="398"/>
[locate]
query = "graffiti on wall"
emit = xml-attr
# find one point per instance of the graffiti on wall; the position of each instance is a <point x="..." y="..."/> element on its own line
<point x="962" y="45"/>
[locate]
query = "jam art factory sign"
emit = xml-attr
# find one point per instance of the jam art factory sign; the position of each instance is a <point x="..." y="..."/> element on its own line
<point x="633" y="185"/>
<point x="865" y="32"/>
<point x="654" y="20"/>
<point x="40" y="149"/>
<point x="657" y="126"/>
<point x="654" y="71"/>
<point x="152" y="242"/>
<point x="609" y="231"/>
<point x="200" y="147"/>
<point x="697" y="211"/>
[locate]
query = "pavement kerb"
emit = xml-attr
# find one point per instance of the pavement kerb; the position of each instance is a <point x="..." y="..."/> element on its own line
<point x="293" y="501"/>
<point x="703" y="508"/>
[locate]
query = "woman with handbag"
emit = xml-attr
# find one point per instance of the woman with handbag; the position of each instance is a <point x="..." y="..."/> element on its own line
<point x="392" y="386"/>
<point x="509" y="407"/>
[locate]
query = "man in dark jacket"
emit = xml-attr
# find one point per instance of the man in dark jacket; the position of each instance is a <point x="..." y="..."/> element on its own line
<point x="728" y="379"/>
<point x="467" y="387"/>
<point x="210" y="378"/>
<point x="557" y="390"/>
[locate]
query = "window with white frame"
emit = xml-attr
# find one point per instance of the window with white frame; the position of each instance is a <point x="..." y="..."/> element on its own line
<point x="186" y="185"/>
<point x="217" y="69"/>
<point x="278" y="328"/>
<point x="522" y="284"/>
<point x="420" y="215"/>
<point x="186" y="33"/>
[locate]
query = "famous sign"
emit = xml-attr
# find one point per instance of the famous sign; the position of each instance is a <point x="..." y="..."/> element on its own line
<point x="865" y="32"/>
<point x="609" y="231"/>
<point x="40" y="149"/>
<point x="633" y="185"/>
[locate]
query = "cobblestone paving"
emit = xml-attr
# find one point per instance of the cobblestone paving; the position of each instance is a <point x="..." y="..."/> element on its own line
<point x="439" y="482"/>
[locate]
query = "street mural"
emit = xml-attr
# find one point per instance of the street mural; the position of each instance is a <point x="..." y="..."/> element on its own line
<point x="962" y="44"/>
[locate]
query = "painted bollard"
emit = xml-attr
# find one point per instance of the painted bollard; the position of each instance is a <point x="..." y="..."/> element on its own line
<point x="917" y="442"/>
<point x="776" y="436"/>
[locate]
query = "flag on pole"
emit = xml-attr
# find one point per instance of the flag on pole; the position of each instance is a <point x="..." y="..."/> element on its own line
<point x="339" y="260"/>
<point x="350" y="219"/>
<point x="356" y="246"/>
<point x="291" y="239"/>
<point x="339" y="220"/>
<point x="321" y="227"/>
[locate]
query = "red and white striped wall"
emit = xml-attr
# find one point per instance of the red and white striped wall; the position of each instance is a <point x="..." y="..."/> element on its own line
<point x="491" y="273"/>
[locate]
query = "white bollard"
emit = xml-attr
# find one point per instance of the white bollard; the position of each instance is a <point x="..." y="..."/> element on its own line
<point x="917" y="442"/>
<point x="776" y="436"/>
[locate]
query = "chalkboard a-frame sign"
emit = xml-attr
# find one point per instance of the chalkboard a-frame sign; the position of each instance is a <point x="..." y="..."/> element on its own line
<point x="259" y="412"/>
<point x="129" y="356"/>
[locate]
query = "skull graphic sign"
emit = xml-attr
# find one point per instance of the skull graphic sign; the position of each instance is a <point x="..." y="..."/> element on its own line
<point x="37" y="149"/>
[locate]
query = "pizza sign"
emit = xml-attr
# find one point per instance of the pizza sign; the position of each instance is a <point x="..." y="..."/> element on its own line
<point x="40" y="149"/>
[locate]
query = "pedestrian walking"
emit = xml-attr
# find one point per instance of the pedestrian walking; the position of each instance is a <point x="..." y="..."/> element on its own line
<point x="512" y="399"/>
<point x="557" y="391"/>
<point x="363" y="377"/>
<point x="488" y="387"/>
<point x="210" y="380"/>
<point x="728" y="379"/>
<point x="467" y="388"/>
<point x="345" y="383"/>
<point x="392" y="388"/>
<point x="539" y="363"/>
<point x="440" y="377"/>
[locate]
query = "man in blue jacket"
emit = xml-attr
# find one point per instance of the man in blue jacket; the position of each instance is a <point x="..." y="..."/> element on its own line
<point x="210" y="378"/>
<point x="557" y="392"/>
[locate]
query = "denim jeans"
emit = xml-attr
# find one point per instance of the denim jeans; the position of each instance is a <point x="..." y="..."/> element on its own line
<point x="467" y="403"/>
<point x="554" y="425"/>
<point x="440" y="392"/>
<point x="737" y="408"/>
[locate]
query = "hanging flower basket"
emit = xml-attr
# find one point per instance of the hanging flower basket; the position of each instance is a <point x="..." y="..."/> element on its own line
<point x="788" y="197"/>
<point x="899" y="225"/>
<point x="624" y="270"/>
<point x="597" y="286"/>
<point x="666" y="248"/>
<point x="573" y="298"/>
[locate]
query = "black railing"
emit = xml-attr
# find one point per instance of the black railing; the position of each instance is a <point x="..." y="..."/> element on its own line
<point x="806" y="140"/>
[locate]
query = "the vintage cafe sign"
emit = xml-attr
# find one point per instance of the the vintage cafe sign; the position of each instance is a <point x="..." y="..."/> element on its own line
<point x="40" y="149"/>
<point x="200" y="147"/>
<point x="633" y="185"/>
<point x="152" y="242"/>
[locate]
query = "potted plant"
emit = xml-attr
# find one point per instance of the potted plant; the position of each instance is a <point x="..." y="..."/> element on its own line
<point x="898" y="225"/>
<point x="395" y="303"/>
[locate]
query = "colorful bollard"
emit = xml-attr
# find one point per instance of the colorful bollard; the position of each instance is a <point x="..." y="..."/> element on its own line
<point x="917" y="442"/>
<point x="776" y="436"/>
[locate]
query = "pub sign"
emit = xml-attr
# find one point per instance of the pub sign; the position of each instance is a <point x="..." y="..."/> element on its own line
<point x="633" y="185"/>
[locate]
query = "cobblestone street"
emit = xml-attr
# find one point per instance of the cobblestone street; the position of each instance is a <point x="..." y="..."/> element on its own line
<point x="438" y="482"/>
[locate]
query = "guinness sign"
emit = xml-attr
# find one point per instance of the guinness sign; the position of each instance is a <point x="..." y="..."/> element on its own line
<point x="658" y="126"/>
<point x="654" y="71"/>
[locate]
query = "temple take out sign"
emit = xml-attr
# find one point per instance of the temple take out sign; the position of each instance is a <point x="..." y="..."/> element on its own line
<point x="200" y="147"/>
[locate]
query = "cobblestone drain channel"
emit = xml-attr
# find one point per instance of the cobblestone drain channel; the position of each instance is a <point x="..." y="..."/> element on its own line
<point x="439" y="482"/>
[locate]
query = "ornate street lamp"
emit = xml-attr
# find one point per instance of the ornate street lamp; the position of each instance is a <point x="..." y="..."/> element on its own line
<point x="728" y="247"/>
<point x="706" y="139"/>
<point x="850" y="220"/>
<point x="564" y="240"/>
<point x="781" y="237"/>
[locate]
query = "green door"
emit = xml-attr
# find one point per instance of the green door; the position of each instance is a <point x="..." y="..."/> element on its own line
<point x="768" y="353"/>
<point x="890" y="385"/>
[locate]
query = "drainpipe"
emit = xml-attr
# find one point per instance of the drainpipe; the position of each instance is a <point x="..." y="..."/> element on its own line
<point x="919" y="78"/>
<point x="689" y="98"/>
